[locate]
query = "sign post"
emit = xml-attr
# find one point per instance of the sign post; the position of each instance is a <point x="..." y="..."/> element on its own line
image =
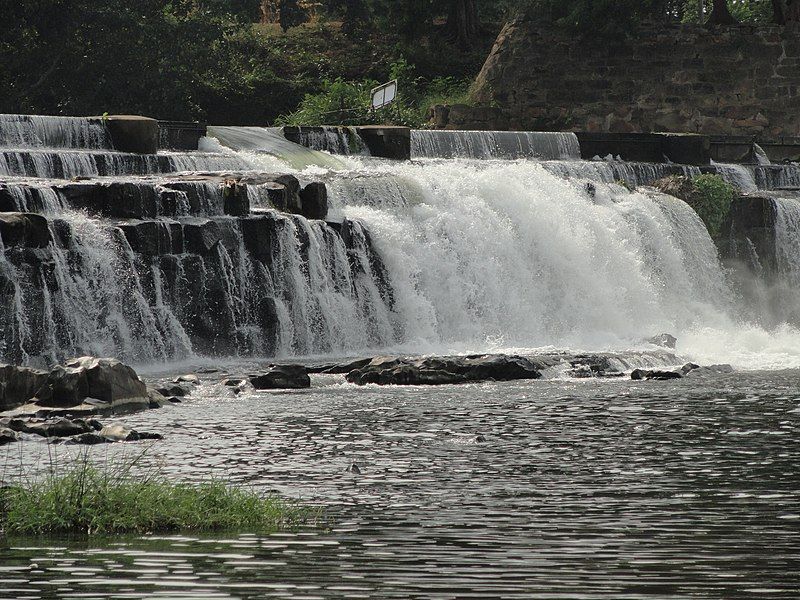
<point x="383" y="95"/>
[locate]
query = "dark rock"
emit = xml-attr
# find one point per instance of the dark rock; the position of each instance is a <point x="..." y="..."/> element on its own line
<point x="664" y="340"/>
<point x="688" y="368"/>
<point x="201" y="235"/>
<point x="444" y="370"/>
<point x="237" y="202"/>
<point x="58" y="428"/>
<point x="110" y="380"/>
<point x="65" y="387"/>
<point x="176" y="389"/>
<point x="7" y="436"/>
<point x="233" y="382"/>
<point x="282" y="377"/>
<point x="88" y="439"/>
<point x="642" y="374"/>
<point x="18" y="385"/>
<point x="25" y="230"/>
<point x="342" y="368"/>
<point x="314" y="199"/>
<point x="354" y="469"/>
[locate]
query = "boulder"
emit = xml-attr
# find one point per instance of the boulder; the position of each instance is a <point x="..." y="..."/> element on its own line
<point x="179" y="389"/>
<point x="110" y="380"/>
<point x="646" y="375"/>
<point x="291" y="377"/>
<point x="18" y="385"/>
<point x="25" y="230"/>
<point x="7" y="436"/>
<point x="444" y="370"/>
<point x="58" y="428"/>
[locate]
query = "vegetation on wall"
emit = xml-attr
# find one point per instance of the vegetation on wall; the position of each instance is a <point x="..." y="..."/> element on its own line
<point x="709" y="195"/>
<point x="250" y="61"/>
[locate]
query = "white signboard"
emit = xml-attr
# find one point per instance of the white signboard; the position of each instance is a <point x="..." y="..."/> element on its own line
<point x="384" y="94"/>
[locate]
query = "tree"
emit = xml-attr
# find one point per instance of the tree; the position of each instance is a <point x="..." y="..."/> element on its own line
<point x="721" y="14"/>
<point x="786" y="11"/>
<point x="291" y="15"/>
<point x="462" y="21"/>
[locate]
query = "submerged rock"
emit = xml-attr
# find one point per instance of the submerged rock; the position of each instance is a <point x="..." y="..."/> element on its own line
<point x="646" y="375"/>
<point x="711" y="370"/>
<point x="282" y="377"/>
<point x="444" y="370"/>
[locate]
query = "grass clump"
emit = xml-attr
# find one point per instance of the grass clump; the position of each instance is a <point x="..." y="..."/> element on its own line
<point x="89" y="500"/>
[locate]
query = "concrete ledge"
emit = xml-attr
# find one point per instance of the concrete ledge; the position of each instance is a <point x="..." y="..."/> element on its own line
<point x="387" y="141"/>
<point x="180" y="135"/>
<point x="132" y="133"/>
<point x="682" y="148"/>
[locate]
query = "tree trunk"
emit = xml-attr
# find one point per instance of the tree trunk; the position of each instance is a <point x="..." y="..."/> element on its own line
<point x="721" y="15"/>
<point x="792" y="12"/>
<point x="463" y="21"/>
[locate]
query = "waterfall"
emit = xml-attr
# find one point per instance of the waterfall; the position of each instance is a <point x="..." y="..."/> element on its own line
<point x="494" y="144"/>
<point x="787" y="252"/>
<point x="531" y="249"/>
<point x="336" y="140"/>
<point x="23" y="131"/>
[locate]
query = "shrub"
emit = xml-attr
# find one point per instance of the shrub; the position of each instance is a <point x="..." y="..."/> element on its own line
<point x="712" y="199"/>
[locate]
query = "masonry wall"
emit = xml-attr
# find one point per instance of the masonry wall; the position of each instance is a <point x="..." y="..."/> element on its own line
<point x="682" y="78"/>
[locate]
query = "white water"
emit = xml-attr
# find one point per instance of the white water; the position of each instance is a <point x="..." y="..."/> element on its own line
<point x="507" y="255"/>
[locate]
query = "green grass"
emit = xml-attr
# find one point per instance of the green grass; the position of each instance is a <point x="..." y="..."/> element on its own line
<point x="88" y="500"/>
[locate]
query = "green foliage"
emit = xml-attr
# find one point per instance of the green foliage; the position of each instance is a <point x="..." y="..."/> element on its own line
<point x="86" y="500"/>
<point x="348" y="102"/>
<point x="711" y="199"/>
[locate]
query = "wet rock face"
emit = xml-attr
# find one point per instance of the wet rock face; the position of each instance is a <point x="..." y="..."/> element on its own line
<point x="444" y="370"/>
<point x="282" y="377"/>
<point x="26" y="230"/>
<point x="647" y="375"/>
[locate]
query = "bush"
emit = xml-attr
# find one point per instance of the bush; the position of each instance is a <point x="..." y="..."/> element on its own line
<point x="712" y="200"/>
<point x="87" y="500"/>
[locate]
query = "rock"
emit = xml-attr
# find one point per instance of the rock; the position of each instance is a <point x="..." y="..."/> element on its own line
<point x="314" y="198"/>
<point x="664" y="340"/>
<point x="109" y="380"/>
<point x="201" y="235"/>
<point x="58" y="428"/>
<point x="354" y="469"/>
<point x="179" y="389"/>
<point x="342" y="368"/>
<point x="65" y="387"/>
<point x="233" y="382"/>
<point x="18" y="385"/>
<point x="282" y="377"/>
<point x="24" y="229"/>
<point x="7" y="436"/>
<point x="642" y="374"/>
<point x="444" y="370"/>
<point x="88" y="439"/>
<point x="688" y="368"/>
<point x="193" y="379"/>
<point x="711" y="370"/>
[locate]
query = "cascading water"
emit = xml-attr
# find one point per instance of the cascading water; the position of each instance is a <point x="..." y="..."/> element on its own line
<point x="33" y="131"/>
<point x="494" y="144"/>
<point x="787" y="252"/>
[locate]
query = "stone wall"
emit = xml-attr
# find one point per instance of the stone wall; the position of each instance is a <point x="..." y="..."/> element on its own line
<point x="680" y="78"/>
